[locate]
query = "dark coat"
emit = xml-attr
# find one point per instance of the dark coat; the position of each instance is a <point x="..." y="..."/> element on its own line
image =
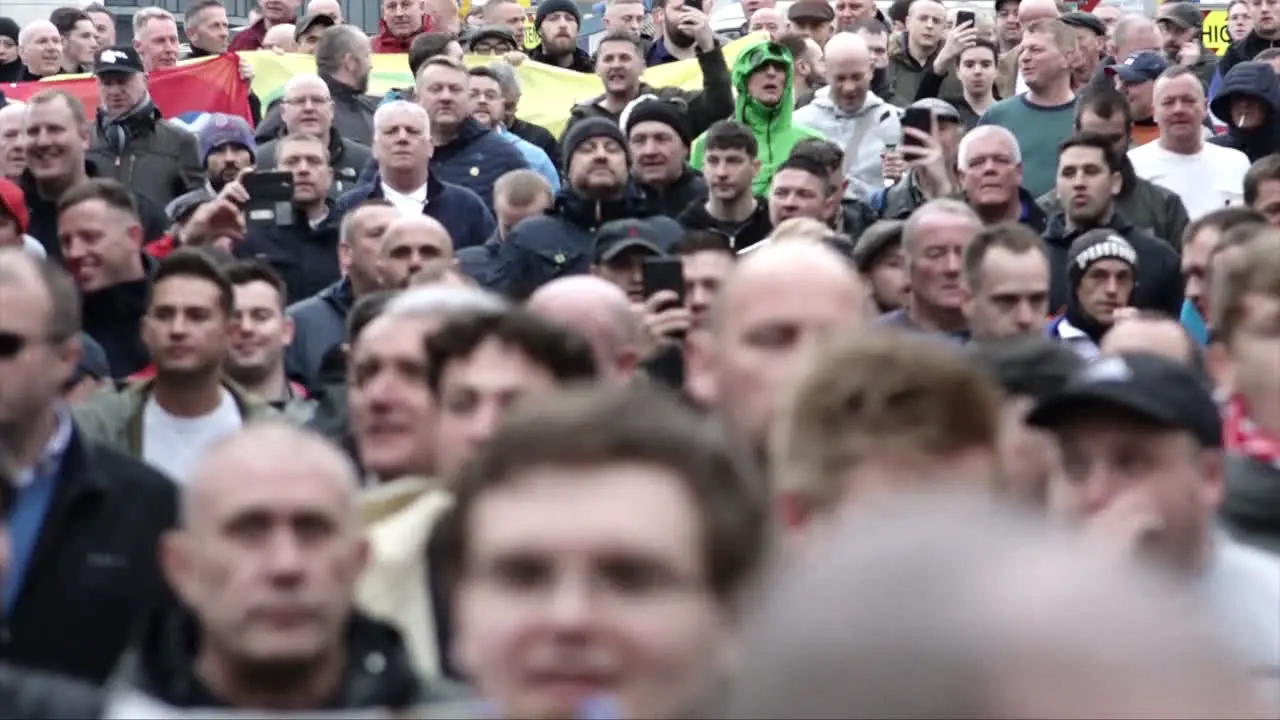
<point x="672" y="200"/>
<point x="1159" y="272"/>
<point x="562" y="242"/>
<point x="458" y="209"/>
<point x="159" y="161"/>
<point x="581" y="62"/>
<point x="537" y="135"/>
<point x="113" y="317"/>
<point x="44" y="214"/>
<point x="741" y="235"/>
<point x="306" y="259"/>
<point x="36" y="695"/>
<point x="347" y="158"/>
<point x="1153" y="208"/>
<point x="319" y="325"/>
<point x="95" y="575"/>
<point x="1258" y="81"/>
<point x="475" y="159"/>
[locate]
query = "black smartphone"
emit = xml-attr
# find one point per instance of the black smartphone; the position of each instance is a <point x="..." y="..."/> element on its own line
<point x="270" y="198"/>
<point x="918" y="118"/>
<point x="965" y="16"/>
<point x="663" y="273"/>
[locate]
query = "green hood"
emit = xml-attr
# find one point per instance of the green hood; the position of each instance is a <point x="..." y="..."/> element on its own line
<point x="757" y="116"/>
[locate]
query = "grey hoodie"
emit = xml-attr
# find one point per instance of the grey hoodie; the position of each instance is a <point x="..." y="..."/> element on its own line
<point x="863" y="135"/>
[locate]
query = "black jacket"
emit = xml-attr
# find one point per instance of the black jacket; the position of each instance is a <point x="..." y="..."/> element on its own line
<point x="741" y="235"/>
<point x="159" y="160"/>
<point x="1159" y="272"/>
<point x="1243" y="50"/>
<point x="347" y="159"/>
<point x="582" y="61"/>
<point x="537" y="135"/>
<point x="306" y="259"/>
<point x="44" y="214"/>
<point x="94" y="576"/>
<point x="161" y="668"/>
<point x="37" y="695"/>
<point x="673" y="199"/>
<point x="1258" y="81"/>
<point x="1153" y="208"/>
<point x="113" y="317"/>
<point x="701" y="107"/>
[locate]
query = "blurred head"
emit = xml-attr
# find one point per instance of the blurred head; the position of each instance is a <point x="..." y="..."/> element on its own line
<point x="408" y="245"/>
<point x="1006" y="279"/>
<point x="706" y="261"/>
<point x="343" y="54"/>
<point x="403" y="17"/>
<point x="1239" y="20"/>
<point x="480" y="366"/>
<point x="1201" y="241"/>
<point x="155" y="37"/>
<point x="188" y="324"/>
<point x="104" y="24"/>
<point x="307" y="106"/>
<point x="600" y="312"/>
<point x="281" y="38"/>
<point x="276" y="12"/>
<point x="269" y="549"/>
<point x="934" y="241"/>
<point x="121" y="91"/>
<point x="517" y="195"/>
<point x="779" y="302"/>
<point x="360" y="240"/>
<point x="624" y="16"/>
<point x="1105" y="111"/>
<point x="79" y="39"/>
<point x="260" y="328"/>
<point x="579" y="484"/>
<point x="766" y="20"/>
<point x="801" y="188"/>
<point x="1246" y="303"/>
<point x="100" y="234"/>
<point x="596" y="163"/>
<point x="40" y="47"/>
<point x="876" y="36"/>
<point x="1133" y="33"/>
<point x="307" y="157"/>
<point x="508" y="14"/>
<point x="13" y="150"/>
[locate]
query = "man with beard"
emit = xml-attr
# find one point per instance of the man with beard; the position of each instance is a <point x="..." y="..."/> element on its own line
<point x="170" y="419"/>
<point x="131" y="143"/>
<point x="682" y="23"/>
<point x="228" y="149"/>
<point x="811" y="70"/>
<point x="557" y="23"/>
<point x="260" y="332"/>
<point x="40" y="47"/>
<point x="619" y="65"/>
<point x="488" y="108"/>
<point x="1089" y="178"/>
<point x="562" y="242"/>
<point x="343" y="63"/>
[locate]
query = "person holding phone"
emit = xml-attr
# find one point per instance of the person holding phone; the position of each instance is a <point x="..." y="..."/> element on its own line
<point x="931" y="132"/>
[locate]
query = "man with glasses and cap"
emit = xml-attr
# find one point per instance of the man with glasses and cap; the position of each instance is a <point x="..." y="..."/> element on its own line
<point x="1141" y="441"/>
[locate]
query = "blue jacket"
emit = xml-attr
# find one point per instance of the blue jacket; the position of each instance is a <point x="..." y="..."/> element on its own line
<point x="475" y="159"/>
<point x="458" y="209"/>
<point x="537" y="158"/>
<point x="319" y="325"/>
<point x="1259" y="81"/>
<point x="562" y="242"/>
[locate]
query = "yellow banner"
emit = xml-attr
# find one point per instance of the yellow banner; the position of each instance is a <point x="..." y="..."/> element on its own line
<point x="549" y="92"/>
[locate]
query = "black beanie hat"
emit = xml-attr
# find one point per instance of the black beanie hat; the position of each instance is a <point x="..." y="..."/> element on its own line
<point x="1095" y="245"/>
<point x="9" y="28"/>
<point x="584" y="130"/>
<point x="654" y="110"/>
<point x="546" y="7"/>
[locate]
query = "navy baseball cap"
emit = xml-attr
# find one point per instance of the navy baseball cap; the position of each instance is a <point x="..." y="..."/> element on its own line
<point x="1139" y="67"/>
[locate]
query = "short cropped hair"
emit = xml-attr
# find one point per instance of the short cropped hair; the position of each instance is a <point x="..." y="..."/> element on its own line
<point x="192" y="263"/>
<point x="335" y="44"/>
<point x="195" y="8"/>
<point x="1266" y="168"/>
<point x="426" y="46"/>
<point x="65" y="19"/>
<point x="111" y="192"/>
<point x="245" y="272"/>
<point x="1027" y="365"/>
<point x="147" y="14"/>
<point x="1104" y="101"/>
<point x="1011" y="236"/>
<point x="879" y="394"/>
<point x="731" y="135"/>
<point x="44" y="97"/>
<point x="521" y="188"/>
<point x="1098" y="142"/>
<point x="1255" y="272"/>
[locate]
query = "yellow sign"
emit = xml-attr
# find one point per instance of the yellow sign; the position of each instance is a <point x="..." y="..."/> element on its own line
<point x="1213" y="32"/>
<point x="531" y="39"/>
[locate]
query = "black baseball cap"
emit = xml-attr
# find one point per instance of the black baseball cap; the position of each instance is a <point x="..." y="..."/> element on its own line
<point x="488" y="32"/>
<point x="1155" y="388"/>
<point x="119" y="59"/>
<point x="311" y="21"/>
<point x="620" y="236"/>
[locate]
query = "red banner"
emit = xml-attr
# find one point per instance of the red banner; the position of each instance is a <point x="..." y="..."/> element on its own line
<point x="212" y="85"/>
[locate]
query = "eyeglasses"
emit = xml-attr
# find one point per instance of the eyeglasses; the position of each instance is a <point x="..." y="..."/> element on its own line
<point x="11" y="344"/>
<point x="308" y="100"/>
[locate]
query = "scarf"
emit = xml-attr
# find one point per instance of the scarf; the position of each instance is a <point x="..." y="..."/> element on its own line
<point x="1242" y="437"/>
<point x="117" y="132"/>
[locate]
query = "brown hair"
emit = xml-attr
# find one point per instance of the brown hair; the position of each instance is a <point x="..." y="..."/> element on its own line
<point x="879" y="393"/>
<point x="1255" y="271"/>
<point x="603" y="425"/>
<point x="1012" y="236"/>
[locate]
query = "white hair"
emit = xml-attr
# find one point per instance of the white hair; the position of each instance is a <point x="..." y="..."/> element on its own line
<point x="432" y="301"/>
<point x="982" y="131"/>
<point x="25" y="33"/>
<point x="387" y="108"/>
<point x="936" y="206"/>
<point x="292" y="83"/>
<point x="146" y="15"/>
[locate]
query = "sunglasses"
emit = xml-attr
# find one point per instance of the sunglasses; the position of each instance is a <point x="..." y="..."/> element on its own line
<point x="11" y="344"/>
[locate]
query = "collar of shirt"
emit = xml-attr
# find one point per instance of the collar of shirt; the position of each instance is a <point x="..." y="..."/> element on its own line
<point x="320" y="220"/>
<point x="51" y="457"/>
<point x="417" y="196"/>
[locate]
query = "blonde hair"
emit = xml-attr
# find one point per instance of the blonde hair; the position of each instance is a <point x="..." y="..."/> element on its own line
<point x="1254" y="268"/>
<point x="879" y="393"/>
<point x="146" y="15"/>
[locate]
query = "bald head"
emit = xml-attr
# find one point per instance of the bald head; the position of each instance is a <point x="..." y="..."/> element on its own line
<point x="1134" y="33"/>
<point x="844" y="45"/>
<point x="409" y="245"/>
<point x="237" y="467"/>
<point x="1157" y="335"/>
<point x="325" y="7"/>
<point x="944" y="606"/>
<point x="766" y="19"/>
<point x="280" y="37"/>
<point x="791" y="266"/>
<point x="1030" y="11"/>
<point x="599" y="311"/>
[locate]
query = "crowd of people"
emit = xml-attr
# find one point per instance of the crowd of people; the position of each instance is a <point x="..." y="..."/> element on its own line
<point x="942" y="343"/>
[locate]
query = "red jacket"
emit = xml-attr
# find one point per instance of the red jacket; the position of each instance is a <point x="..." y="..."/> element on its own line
<point x="250" y="38"/>
<point x="385" y="42"/>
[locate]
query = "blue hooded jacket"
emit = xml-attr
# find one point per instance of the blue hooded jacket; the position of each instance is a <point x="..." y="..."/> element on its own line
<point x="1259" y="81"/>
<point x="459" y="210"/>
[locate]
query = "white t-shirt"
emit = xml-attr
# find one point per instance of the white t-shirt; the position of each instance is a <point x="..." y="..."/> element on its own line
<point x="175" y="444"/>
<point x="1211" y="179"/>
<point x="407" y="203"/>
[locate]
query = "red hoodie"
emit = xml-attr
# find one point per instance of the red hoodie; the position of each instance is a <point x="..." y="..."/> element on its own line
<point x="385" y="42"/>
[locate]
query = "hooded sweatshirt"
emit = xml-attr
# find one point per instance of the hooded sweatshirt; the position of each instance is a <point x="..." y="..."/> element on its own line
<point x="863" y="134"/>
<point x="1256" y="80"/>
<point x="772" y="126"/>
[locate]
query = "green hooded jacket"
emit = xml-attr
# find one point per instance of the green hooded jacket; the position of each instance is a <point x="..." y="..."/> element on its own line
<point x="771" y="125"/>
